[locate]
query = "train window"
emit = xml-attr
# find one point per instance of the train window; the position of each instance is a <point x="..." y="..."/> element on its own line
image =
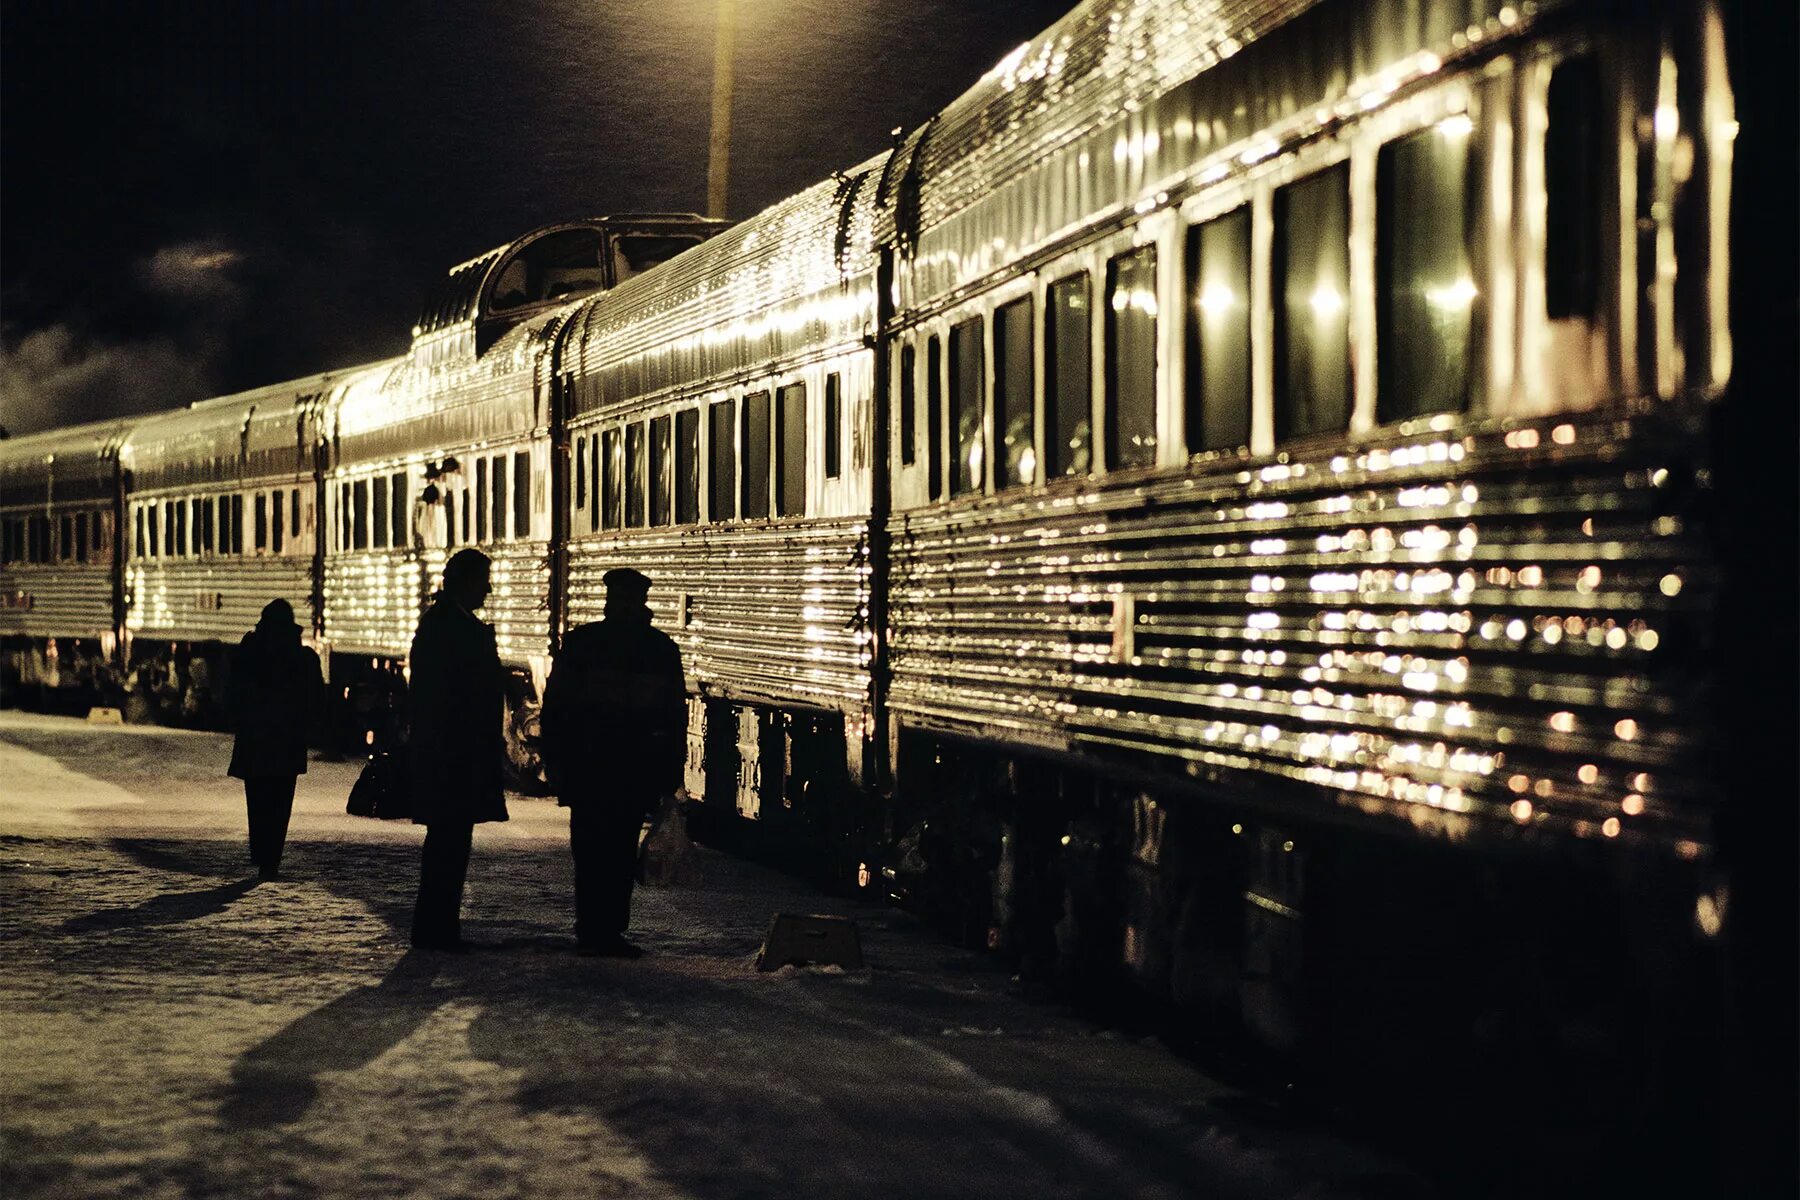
<point x="1012" y="394"/>
<point x="1068" y="379"/>
<point x="595" y="504"/>
<point x="499" y="507"/>
<point x="181" y="528"/>
<point x="481" y="500"/>
<point x="559" y="264"/>
<point x="634" y="475"/>
<point x="196" y="515"/>
<point x="40" y="539"/>
<point x="465" y="515"/>
<point x="834" y="425"/>
<point x="790" y="464"/>
<point x="222" y="532"/>
<point x="378" y="514"/>
<point x="934" y="414"/>
<point x="82" y="523"/>
<point x="359" y="515"/>
<point x="909" y="405"/>
<point x="1218" y="333"/>
<point x="168" y="528"/>
<point x="140" y="547"/>
<point x="343" y="517"/>
<point x="661" y="471"/>
<point x="581" y="472"/>
<point x="1131" y="359"/>
<point x="521" y="504"/>
<point x="237" y="524"/>
<point x="208" y="526"/>
<point x="1311" y="279"/>
<point x="612" y="494"/>
<point x="65" y="543"/>
<point x="968" y="471"/>
<point x="1425" y="292"/>
<point x="687" y="466"/>
<point x="1571" y="190"/>
<point x="721" y="487"/>
<point x="756" y="456"/>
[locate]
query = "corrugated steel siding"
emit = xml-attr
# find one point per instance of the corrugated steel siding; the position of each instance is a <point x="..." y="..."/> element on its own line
<point x="775" y="611"/>
<point x="233" y="440"/>
<point x="167" y="595"/>
<point x="67" y="600"/>
<point x="374" y="599"/>
<point x="75" y="464"/>
<point x="1443" y="626"/>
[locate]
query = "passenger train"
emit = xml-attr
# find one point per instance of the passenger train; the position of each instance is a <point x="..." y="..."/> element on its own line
<point x="1222" y="506"/>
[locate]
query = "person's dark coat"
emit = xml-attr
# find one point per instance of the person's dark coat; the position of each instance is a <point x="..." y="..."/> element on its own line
<point x="275" y="696"/>
<point x="456" y="702"/>
<point x="614" y="721"/>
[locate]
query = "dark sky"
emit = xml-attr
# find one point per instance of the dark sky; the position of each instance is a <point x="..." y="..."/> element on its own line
<point x="197" y="198"/>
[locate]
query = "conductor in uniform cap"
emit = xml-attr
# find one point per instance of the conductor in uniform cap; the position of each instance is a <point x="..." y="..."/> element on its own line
<point x="614" y="731"/>
<point x="456" y="754"/>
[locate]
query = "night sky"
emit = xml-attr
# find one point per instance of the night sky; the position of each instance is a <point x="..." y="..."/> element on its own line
<point x="204" y="197"/>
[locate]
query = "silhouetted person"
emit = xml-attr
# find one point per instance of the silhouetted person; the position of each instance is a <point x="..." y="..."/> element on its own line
<point x="614" y="731"/>
<point x="455" y="753"/>
<point x="274" y="697"/>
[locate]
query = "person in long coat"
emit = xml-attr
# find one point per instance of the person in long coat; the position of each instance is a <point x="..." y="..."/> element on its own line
<point x="455" y="753"/>
<point x="614" y="735"/>
<point x="275" y="695"/>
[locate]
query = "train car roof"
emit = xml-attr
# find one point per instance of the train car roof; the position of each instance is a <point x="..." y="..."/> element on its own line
<point x="268" y="430"/>
<point x="30" y="461"/>
<point x="804" y="246"/>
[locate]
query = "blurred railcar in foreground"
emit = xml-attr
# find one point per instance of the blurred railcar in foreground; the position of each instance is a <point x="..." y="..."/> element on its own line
<point x="1227" y="508"/>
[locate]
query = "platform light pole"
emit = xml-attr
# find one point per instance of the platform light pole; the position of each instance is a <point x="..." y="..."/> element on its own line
<point x="718" y="162"/>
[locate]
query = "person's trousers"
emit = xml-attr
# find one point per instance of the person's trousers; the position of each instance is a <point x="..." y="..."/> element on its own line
<point x="443" y="865"/>
<point x="604" y="841"/>
<point x="270" y="801"/>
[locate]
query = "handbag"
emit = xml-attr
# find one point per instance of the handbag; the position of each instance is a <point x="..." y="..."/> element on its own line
<point x="380" y="790"/>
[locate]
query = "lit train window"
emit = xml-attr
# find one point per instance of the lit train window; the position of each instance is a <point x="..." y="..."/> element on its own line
<point x="379" y="515"/>
<point x="834" y="425"/>
<point x="661" y="471"/>
<point x="581" y="472"/>
<point x="721" y="485"/>
<point x="909" y="406"/>
<point x="1068" y="378"/>
<point x="934" y="414"/>
<point x="594" y="473"/>
<point x="1424" y="279"/>
<point x="1013" y="395"/>
<point x="634" y="475"/>
<point x="499" y="507"/>
<point x="612" y="491"/>
<point x="790" y="463"/>
<point x="687" y="466"/>
<point x="756" y="456"/>
<point x="481" y="500"/>
<point x="968" y="468"/>
<point x="359" y="516"/>
<point x="1311" y="279"/>
<point x="1131" y="359"/>
<point x="1218" y="333"/>
<point x="521" y="495"/>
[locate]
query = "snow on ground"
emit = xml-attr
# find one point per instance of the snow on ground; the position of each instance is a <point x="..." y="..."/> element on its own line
<point x="171" y="1027"/>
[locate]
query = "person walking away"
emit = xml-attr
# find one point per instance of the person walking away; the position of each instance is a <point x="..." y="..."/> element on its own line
<point x="455" y="754"/>
<point x="274" y="695"/>
<point x="614" y="728"/>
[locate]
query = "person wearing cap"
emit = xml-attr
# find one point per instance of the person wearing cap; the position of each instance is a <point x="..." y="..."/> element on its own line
<point x="614" y="735"/>
<point x="456" y="702"/>
<point x="274" y="695"/>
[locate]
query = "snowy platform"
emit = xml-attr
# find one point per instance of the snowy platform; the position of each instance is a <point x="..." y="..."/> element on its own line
<point x="170" y="1027"/>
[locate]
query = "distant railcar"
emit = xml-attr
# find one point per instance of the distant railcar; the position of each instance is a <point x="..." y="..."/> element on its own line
<point x="1224" y="505"/>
